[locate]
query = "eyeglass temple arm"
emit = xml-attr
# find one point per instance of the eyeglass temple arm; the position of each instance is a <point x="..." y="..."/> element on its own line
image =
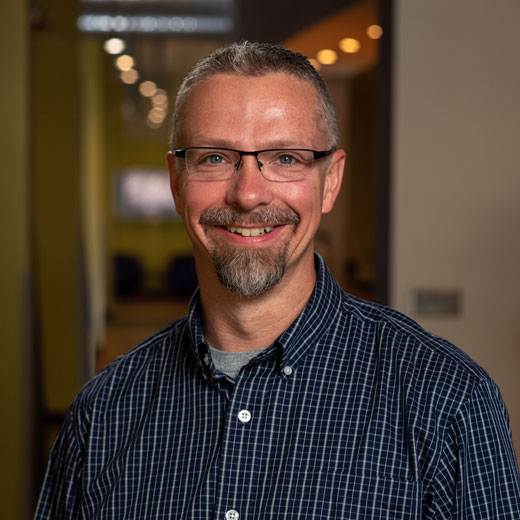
<point x="320" y="155"/>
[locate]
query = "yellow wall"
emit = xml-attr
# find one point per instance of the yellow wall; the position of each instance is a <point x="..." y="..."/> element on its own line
<point x="14" y="263"/>
<point x="56" y="202"/>
<point x="131" y="144"/>
<point x="93" y="190"/>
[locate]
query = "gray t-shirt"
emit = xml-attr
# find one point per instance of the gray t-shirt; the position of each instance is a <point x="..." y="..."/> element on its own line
<point x="230" y="363"/>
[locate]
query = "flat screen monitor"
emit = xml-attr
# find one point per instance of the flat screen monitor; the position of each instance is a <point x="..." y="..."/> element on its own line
<point x="143" y="194"/>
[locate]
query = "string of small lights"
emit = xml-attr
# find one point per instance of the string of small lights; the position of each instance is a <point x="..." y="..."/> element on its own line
<point x="347" y="45"/>
<point x="130" y="75"/>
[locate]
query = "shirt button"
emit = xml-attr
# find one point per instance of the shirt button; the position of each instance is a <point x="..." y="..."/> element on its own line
<point x="244" y="416"/>
<point x="287" y="370"/>
<point x="206" y="360"/>
<point x="232" y="515"/>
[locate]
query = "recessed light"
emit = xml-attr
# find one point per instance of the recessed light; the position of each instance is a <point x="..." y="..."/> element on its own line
<point x="375" y="32"/>
<point x="350" y="45"/>
<point x="124" y="62"/>
<point x="129" y="76"/>
<point x="147" y="88"/>
<point x="114" y="46"/>
<point x="327" y="56"/>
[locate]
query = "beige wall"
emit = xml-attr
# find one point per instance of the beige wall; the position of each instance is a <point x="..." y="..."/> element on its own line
<point x="456" y="176"/>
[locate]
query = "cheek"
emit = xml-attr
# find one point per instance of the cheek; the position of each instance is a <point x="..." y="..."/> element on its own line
<point x="196" y="197"/>
<point x="305" y="199"/>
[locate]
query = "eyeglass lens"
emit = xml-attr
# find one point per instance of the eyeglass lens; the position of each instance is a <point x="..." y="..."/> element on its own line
<point x="275" y="164"/>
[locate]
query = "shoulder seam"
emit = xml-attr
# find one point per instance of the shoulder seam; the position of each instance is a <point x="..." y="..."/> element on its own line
<point x="421" y="337"/>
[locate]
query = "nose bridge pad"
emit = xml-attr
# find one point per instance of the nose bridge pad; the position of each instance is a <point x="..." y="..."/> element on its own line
<point x="259" y="162"/>
<point x="238" y="163"/>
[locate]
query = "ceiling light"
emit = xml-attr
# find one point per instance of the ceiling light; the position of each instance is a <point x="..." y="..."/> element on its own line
<point x="114" y="46"/>
<point x="160" y="99"/>
<point x="124" y="62"/>
<point x="327" y="56"/>
<point x="147" y="88"/>
<point x="129" y="76"/>
<point x="349" y="45"/>
<point x="106" y="23"/>
<point x="375" y="32"/>
<point x="156" y="116"/>
<point x="158" y="111"/>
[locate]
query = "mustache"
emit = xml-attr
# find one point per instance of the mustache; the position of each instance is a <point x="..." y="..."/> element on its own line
<point x="230" y="216"/>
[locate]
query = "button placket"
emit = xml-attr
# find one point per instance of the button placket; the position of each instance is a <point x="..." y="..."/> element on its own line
<point x="241" y="424"/>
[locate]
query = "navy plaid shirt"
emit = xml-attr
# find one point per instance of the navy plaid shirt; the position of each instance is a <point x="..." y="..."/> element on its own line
<point x="355" y="412"/>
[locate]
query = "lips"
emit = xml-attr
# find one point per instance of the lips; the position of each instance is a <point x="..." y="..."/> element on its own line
<point x="242" y="223"/>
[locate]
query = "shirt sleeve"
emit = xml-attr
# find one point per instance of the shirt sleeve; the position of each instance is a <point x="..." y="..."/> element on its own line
<point x="478" y="475"/>
<point x="60" y="493"/>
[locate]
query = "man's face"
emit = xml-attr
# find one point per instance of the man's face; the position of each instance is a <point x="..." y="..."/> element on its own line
<point x="276" y="221"/>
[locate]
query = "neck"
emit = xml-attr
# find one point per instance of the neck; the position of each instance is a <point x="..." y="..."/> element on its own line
<point x="236" y="323"/>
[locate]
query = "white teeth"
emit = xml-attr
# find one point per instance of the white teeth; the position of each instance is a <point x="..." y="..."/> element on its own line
<point x="249" y="232"/>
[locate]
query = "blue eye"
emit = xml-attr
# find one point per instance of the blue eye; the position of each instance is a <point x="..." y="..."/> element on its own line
<point x="286" y="160"/>
<point x="215" y="159"/>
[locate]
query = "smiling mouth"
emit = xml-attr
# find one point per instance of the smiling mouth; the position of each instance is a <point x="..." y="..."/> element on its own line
<point x="249" y="232"/>
<point x="248" y="224"/>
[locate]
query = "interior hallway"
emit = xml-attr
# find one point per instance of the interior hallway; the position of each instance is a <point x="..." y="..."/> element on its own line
<point x="133" y="320"/>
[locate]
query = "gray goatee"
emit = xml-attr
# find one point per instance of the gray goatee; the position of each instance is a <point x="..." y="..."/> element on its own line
<point x="248" y="271"/>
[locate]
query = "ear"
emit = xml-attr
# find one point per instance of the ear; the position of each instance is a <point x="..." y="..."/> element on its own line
<point x="174" y="182"/>
<point x="332" y="181"/>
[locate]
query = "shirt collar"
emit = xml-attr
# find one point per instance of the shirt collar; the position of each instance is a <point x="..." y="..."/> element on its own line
<point x="314" y="321"/>
<point x="302" y="335"/>
<point x="198" y="342"/>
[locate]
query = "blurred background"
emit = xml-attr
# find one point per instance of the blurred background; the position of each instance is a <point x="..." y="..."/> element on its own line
<point x="94" y="258"/>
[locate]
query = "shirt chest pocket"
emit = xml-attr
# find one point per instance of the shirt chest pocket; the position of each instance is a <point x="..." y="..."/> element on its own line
<point x="347" y="496"/>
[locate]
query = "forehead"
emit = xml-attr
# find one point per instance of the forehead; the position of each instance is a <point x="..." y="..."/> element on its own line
<point x="253" y="108"/>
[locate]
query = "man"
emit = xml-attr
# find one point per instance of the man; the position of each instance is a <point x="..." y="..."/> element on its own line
<point x="278" y="396"/>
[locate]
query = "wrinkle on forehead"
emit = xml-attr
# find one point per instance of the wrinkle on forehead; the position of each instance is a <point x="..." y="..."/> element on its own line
<point x="251" y="110"/>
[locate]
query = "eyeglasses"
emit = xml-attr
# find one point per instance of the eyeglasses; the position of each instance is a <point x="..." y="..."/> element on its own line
<point x="278" y="165"/>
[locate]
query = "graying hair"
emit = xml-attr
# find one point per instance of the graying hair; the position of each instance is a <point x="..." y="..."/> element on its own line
<point x="255" y="59"/>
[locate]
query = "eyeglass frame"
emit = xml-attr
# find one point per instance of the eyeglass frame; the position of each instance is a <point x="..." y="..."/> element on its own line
<point x="317" y="154"/>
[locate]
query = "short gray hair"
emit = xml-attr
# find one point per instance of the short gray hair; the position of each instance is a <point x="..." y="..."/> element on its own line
<point x="255" y="59"/>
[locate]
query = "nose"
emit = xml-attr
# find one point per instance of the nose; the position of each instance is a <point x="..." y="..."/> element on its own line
<point x="248" y="188"/>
